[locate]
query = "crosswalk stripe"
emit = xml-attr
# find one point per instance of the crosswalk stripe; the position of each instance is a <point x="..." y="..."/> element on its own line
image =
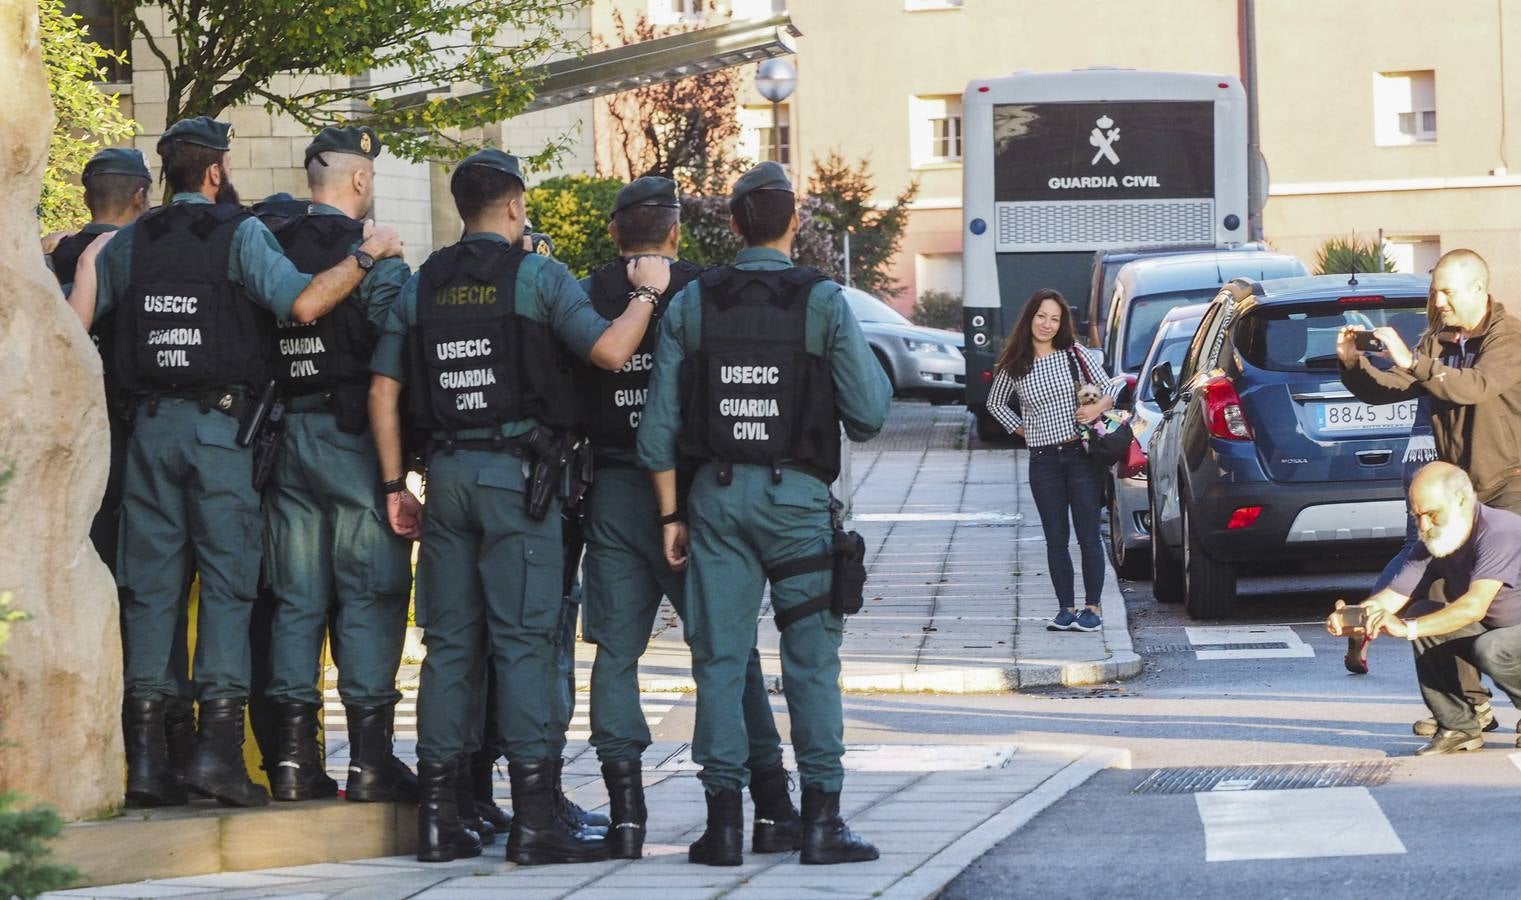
<point x="1295" y="824"/>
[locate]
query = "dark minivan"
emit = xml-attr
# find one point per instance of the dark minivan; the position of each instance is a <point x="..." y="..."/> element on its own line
<point x="1262" y="455"/>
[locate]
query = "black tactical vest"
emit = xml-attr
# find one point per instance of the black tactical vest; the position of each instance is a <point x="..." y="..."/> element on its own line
<point x="335" y="350"/>
<point x="65" y="258"/>
<point x="753" y="393"/>
<point x="183" y="326"/>
<point x="473" y="361"/>
<point x="613" y="402"/>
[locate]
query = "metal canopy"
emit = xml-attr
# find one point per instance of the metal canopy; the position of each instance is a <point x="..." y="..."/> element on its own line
<point x="651" y="62"/>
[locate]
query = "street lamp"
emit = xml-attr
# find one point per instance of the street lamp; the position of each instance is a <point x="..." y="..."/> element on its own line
<point x="776" y="79"/>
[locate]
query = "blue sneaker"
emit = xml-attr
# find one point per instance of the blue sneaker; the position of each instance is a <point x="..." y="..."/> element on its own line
<point x="1064" y="621"/>
<point x="1088" y="620"/>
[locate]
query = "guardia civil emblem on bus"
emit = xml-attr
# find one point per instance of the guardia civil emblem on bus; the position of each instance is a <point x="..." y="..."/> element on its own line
<point x="1062" y="164"/>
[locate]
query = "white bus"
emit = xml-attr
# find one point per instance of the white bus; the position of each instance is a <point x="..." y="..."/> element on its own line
<point x="1061" y="164"/>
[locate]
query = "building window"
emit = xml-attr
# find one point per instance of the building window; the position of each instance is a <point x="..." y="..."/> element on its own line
<point x="938" y="272"/>
<point x="109" y="31"/>
<point x="1415" y="255"/>
<point x="675" y="12"/>
<point x="1404" y="108"/>
<point x="759" y="139"/>
<point x="936" y="130"/>
<point x="758" y="9"/>
<point x="917" y="5"/>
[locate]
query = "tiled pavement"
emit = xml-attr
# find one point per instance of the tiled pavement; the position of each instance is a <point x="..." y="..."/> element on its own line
<point x="929" y="809"/>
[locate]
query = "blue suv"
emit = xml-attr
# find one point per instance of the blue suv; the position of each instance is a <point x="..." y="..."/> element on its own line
<point x="1262" y="456"/>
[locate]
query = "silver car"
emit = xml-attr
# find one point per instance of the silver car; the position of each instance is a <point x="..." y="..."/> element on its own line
<point x="920" y="362"/>
<point x="1129" y="509"/>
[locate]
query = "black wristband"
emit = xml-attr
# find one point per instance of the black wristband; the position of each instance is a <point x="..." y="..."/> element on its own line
<point x="671" y="519"/>
<point x="395" y="486"/>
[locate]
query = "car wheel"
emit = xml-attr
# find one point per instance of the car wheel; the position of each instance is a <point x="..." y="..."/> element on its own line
<point x="887" y="368"/>
<point x="1128" y="564"/>
<point x="1166" y="571"/>
<point x="1209" y="586"/>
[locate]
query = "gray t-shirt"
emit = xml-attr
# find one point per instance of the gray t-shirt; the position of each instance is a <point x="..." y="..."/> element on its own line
<point x="1492" y="552"/>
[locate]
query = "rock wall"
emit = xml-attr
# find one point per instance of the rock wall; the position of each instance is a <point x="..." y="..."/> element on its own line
<point x="60" y="688"/>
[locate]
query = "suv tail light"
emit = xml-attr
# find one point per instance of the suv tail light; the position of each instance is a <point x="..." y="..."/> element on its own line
<point x="1222" y="410"/>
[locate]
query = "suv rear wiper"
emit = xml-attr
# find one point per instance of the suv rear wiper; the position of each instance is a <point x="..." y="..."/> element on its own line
<point x="1329" y="361"/>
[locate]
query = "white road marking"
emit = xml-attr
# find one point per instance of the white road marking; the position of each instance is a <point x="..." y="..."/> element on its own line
<point x="1516" y="759"/>
<point x="1304" y="824"/>
<point x="939" y="517"/>
<point x="1215" y="635"/>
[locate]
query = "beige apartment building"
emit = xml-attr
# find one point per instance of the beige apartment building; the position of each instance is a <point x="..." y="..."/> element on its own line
<point x="1350" y="98"/>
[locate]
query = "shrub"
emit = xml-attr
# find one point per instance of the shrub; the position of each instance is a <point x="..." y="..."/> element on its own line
<point x="573" y="211"/>
<point x="1345" y="255"/>
<point x="938" y="309"/>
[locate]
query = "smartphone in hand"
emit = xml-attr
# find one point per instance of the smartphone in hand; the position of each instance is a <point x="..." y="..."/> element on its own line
<point x="1366" y="342"/>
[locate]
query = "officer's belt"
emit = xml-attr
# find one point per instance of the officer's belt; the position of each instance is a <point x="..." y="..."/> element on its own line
<point x="726" y="468"/>
<point x="231" y="401"/>
<point x="308" y="403"/>
<point x="603" y="463"/>
<point x="516" y="446"/>
<point x="791" y="569"/>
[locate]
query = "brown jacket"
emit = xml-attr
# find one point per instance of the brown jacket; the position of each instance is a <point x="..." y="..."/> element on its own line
<point x="1475" y="408"/>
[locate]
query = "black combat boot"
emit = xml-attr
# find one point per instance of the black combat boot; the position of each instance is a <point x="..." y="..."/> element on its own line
<point x="151" y="780"/>
<point x="464" y="793"/>
<point x="179" y="732"/>
<point x="540" y="835"/>
<point x="723" y="843"/>
<point x="577" y="818"/>
<point x="440" y="836"/>
<point x="375" y="774"/>
<point x="625" y="797"/>
<point x="217" y="768"/>
<point x="297" y="773"/>
<point x="483" y="784"/>
<point x="778" y="827"/>
<point x="826" y="838"/>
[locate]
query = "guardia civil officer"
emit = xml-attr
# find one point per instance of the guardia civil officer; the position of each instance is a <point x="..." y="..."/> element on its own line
<point x="477" y="335"/>
<point x="328" y="547"/>
<point x="774" y="363"/>
<point x="197" y="286"/>
<point x="625" y="569"/>
<point x="116" y="183"/>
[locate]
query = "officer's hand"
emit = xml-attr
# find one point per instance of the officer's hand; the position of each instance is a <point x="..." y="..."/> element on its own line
<point x="650" y="271"/>
<point x="380" y="241"/>
<point x="675" y="537"/>
<point x="405" y="514"/>
<point x="51" y="242"/>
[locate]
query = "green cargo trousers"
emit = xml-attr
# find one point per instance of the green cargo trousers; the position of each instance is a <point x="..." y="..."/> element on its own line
<point x="488" y="582"/>
<point x="329" y="546"/>
<point x="737" y="532"/>
<point x="188" y="503"/>
<point x="625" y="576"/>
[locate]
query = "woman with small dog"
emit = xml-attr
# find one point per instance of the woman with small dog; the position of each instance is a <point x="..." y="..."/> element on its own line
<point x="1043" y="366"/>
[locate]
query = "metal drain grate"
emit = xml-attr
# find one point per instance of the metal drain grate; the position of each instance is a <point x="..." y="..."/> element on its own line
<point x="1190" y="648"/>
<point x="1266" y="778"/>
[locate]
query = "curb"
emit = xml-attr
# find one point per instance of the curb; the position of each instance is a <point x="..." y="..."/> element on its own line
<point x="930" y="879"/>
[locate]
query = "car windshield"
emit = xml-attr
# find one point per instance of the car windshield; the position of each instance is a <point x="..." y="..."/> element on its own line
<point x="1303" y="338"/>
<point x="869" y="309"/>
<point x="1172" y="349"/>
<point x="1145" y="317"/>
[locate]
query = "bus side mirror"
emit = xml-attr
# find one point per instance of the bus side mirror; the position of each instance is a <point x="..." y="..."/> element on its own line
<point x="1163" y="385"/>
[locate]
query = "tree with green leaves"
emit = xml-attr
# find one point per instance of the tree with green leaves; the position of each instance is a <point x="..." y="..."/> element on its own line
<point x="572" y="210"/>
<point x="875" y="233"/>
<point x="389" y="64"/>
<point x="1345" y="255"/>
<point x="84" y="118"/>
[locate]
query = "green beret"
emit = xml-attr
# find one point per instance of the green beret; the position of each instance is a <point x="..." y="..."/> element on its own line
<point x="768" y="176"/>
<point x="651" y="190"/>
<point x="493" y="158"/>
<point x="359" y="140"/>
<point x="203" y="131"/>
<point x="117" y="161"/>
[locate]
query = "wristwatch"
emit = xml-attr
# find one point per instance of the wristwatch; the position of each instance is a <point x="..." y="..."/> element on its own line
<point x="365" y="260"/>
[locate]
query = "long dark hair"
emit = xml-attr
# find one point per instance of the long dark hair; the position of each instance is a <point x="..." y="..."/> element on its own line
<point x="1018" y="353"/>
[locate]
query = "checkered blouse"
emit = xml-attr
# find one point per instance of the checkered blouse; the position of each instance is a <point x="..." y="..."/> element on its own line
<point x="1047" y="397"/>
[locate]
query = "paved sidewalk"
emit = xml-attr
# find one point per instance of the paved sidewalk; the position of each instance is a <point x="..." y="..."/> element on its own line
<point x="930" y="809"/>
<point x="958" y="594"/>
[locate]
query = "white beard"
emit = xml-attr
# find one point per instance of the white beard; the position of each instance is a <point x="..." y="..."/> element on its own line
<point x="1443" y="542"/>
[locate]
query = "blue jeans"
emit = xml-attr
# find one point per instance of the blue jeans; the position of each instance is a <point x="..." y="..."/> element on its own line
<point x="1064" y="479"/>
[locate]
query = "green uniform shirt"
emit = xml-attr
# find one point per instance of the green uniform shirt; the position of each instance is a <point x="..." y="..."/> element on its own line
<point x="862" y="396"/>
<point x="382" y="284"/>
<point x="545" y="292"/>
<point x="256" y="262"/>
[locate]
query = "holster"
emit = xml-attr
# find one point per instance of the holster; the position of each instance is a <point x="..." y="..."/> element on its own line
<point x="846" y="563"/>
<point x="550" y="455"/>
<point x="351" y="408"/>
<point x="266" y="446"/>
